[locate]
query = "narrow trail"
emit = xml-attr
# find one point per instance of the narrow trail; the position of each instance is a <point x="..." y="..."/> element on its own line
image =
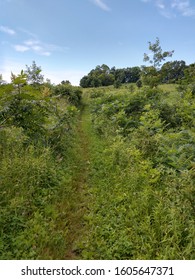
<point x="79" y="203"/>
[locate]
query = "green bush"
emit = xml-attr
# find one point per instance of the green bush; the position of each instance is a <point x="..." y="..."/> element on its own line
<point x="71" y="93"/>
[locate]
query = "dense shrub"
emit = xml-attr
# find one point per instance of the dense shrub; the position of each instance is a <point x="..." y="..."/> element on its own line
<point x="71" y="93"/>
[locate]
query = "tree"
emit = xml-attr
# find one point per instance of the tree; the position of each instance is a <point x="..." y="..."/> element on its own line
<point x="104" y="76"/>
<point x="85" y="82"/>
<point x="151" y="75"/>
<point x="19" y="80"/>
<point x="158" y="54"/>
<point x="132" y="74"/>
<point x="189" y="73"/>
<point x="34" y="75"/>
<point x="172" y="71"/>
<point x="67" y="82"/>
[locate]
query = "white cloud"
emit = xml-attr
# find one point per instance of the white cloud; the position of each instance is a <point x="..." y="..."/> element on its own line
<point x="101" y="5"/>
<point x="7" y="30"/>
<point x="170" y="8"/>
<point x="38" y="47"/>
<point x="184" y="7"/>
<point x="31" y="42"/>
<point x="21" y="48"/>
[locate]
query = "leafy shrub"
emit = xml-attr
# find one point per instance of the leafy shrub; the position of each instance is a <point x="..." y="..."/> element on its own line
<point x="73" y="94"/>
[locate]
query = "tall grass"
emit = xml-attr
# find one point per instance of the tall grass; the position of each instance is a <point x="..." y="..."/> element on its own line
<point x="142" y="177"/>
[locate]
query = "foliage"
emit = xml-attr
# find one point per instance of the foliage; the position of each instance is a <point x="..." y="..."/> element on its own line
<point x="19" y="80"/>
<point x="36" y="139"/>
<point x="34" y="76"/>
<point x="104" y="76"/>
<point x="119" y="159"/>
<point x="142" y="176"/>
<point x="173" y="71"/>
<point x="158" y="54"/>
<point x="189" y="74"/>
<point x="71" y="93"/>
<point x="151" y="75"/>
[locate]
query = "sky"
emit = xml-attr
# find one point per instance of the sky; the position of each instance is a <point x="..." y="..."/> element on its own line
<point x="69" y="38"/>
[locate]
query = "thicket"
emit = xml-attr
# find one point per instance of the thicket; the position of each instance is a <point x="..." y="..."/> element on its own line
<point x="142" y="177"/>
<point x="36" y="136"/>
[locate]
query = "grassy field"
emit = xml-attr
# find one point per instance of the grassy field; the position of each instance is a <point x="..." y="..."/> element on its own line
<point x="110" y="179"/>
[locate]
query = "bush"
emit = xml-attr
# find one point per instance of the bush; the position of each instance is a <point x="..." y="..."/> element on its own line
<point x="71" y="93"/>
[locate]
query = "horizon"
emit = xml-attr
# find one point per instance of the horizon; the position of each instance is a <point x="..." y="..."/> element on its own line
<point x="70" y="38"/>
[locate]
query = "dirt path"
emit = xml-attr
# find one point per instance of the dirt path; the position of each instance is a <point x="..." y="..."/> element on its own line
<point x="79" y="207"/>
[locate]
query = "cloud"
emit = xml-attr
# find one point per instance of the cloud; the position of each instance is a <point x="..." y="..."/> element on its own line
<point x="38" y="47"/>
<point x="21" y="48"/>
<point x="101" y="5"/>
<point x="7" y="30"/>
<point x="160" y="4"/>
<point x="171" y="8"/>
<point x="184" y="7"/>
<point x="32" y="43"/>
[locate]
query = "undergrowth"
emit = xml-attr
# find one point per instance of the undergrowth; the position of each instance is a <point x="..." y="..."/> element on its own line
<point x="36" y="158"/>
<point x="142" y="176"/>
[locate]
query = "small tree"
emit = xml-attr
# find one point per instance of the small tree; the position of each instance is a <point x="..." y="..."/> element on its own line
<point x="158" y="54"/>
<point x="19" y="80"/>
<point x="150" y="75"/>
<point x="34" y="75"/>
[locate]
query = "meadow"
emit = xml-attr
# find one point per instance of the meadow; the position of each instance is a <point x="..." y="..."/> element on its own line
<point x="106" y="173"/>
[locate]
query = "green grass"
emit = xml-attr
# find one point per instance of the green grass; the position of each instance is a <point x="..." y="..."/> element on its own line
<point x="112" y="181"/>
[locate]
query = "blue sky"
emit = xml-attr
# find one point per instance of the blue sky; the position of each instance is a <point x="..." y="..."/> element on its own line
<point x="68" y="38"/>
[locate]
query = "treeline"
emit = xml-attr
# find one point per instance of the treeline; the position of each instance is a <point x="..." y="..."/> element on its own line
<point x="171" y="72"/>
<point x="153" y="75"/>
<point x="104" y="76"/>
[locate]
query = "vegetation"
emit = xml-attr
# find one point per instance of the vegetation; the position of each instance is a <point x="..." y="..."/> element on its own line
<point x="153" y="75"/>
<point x="103" y="172"/>
<point x="36" y="140"/>
<point x="104" y="76"/>
<point x="142" y="177"/>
